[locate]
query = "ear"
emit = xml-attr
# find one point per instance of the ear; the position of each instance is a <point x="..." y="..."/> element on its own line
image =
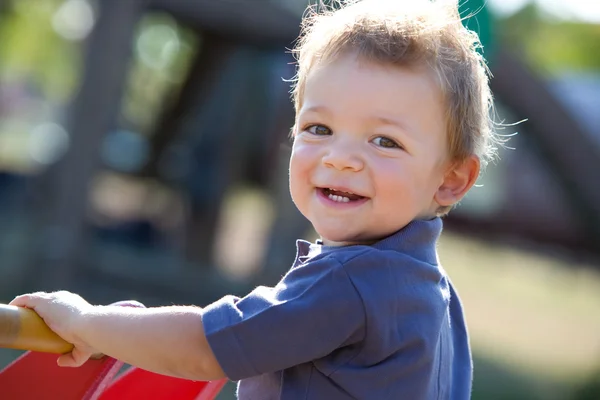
<point x="459" y="179"/>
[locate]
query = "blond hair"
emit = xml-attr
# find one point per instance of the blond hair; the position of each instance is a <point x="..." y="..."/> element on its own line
<point x="409" y="33"/>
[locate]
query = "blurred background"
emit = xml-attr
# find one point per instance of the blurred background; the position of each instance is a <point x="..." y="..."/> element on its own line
<point x="143" y="155"/>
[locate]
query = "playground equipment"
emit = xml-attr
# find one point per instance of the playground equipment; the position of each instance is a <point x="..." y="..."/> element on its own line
<point x="35" y="375"/>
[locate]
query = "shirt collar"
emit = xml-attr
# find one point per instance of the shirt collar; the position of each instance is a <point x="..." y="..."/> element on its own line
<point x="418" y="240"/>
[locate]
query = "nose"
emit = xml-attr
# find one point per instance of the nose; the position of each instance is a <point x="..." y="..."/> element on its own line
<point x="344" y="156"/>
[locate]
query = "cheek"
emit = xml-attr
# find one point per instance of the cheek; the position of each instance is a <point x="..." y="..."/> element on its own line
<point x="391" y="184"/>
<point x="302" y="160"/>
<point x="299" y="172"/>
<point x="407" y="183"/>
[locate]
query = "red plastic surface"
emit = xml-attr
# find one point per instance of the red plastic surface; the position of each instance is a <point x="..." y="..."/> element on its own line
<point x="36" y="376"/>
<point x="140" y="384"/>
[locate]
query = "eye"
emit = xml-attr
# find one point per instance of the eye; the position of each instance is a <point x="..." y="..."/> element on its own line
<point x="386" y="142"/>
<point x="319" y="130"/>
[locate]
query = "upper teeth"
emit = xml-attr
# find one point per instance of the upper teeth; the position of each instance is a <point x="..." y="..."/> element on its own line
<point x="334" y="190"/>
<point x="341" y="199"/>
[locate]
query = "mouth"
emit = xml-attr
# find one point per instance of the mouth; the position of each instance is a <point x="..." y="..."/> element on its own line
<point x="340" y="196"/>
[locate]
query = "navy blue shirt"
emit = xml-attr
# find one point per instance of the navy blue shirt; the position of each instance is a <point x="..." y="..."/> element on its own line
<point x="356" y="322"/>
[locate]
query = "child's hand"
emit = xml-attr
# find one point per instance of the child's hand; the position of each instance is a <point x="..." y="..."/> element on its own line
<point x="64" y="313"/>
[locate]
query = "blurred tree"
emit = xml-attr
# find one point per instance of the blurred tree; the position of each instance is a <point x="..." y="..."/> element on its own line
<point x="162" y="53"/>
<point x="33" y="50"/>
<point x="551" y="46"/>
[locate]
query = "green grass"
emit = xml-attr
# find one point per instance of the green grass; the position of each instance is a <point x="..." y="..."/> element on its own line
<point x="533" y="319"/>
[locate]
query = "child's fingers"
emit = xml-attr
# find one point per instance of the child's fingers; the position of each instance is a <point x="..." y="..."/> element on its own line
<point x="66" y="360"/>
<point x="75" y="358"/>
<point x="28" y="300"/>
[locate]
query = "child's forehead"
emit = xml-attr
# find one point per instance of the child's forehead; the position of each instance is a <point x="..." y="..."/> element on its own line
<point x="351" y="72"/>
<point x="355" y="60"/>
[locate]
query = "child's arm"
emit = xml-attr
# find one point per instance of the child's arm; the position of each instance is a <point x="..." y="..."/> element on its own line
<point x="167" y="340"/>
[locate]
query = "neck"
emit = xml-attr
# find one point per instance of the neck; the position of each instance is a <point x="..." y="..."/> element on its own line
<point x="331" y="243"/>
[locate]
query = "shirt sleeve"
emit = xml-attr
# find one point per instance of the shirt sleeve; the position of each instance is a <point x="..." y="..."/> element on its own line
<point x="312" y="311"/>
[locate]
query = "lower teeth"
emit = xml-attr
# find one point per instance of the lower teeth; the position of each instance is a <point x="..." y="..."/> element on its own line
<point x="340" y="199"/>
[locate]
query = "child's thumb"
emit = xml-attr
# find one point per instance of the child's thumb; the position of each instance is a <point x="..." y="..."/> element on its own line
<point x="75" y="358"/>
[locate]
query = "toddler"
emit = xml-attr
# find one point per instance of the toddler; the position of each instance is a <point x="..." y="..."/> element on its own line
<point x="392" y="126"/>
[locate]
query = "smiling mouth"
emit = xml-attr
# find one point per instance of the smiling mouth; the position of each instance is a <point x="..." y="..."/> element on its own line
<point x="340" y="196"/>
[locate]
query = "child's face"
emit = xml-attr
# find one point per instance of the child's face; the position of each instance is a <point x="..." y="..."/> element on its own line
<point x="375" y="131"/>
